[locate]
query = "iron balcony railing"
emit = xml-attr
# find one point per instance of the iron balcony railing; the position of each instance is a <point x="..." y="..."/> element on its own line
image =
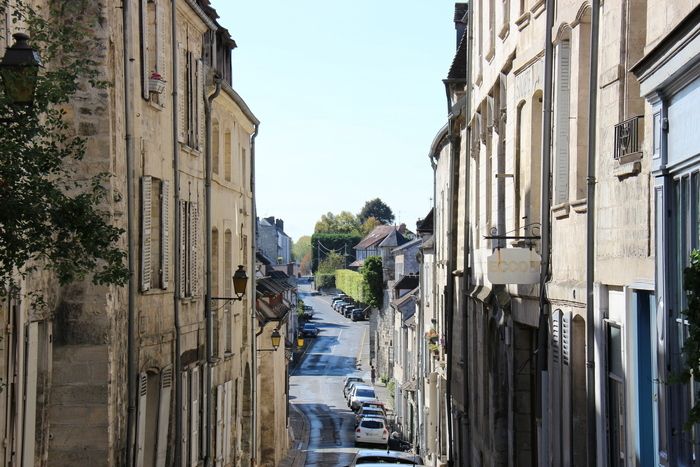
<point x="628" y="137"/>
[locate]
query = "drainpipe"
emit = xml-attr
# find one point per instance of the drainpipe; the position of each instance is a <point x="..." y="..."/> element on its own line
<point x="590" y="233"/>
<point x="178" y="221"/>
<point x="253" y="317"/>
<point x="467" y="247"/>
<point x="207" y="298"/>
<point x="131" y="235"/>
<point x="546" y="227"/>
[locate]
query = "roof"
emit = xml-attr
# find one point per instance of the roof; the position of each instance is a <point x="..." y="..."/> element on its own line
<point x="429" y="243"/>
<point x="267" y="312"/>
<point x="393" y="239"/>
<point x="404" y="303"/>
<point x="409" y="385"/>
<point x="357" y="263"/>
<point x="267" y="286"/>
<point x="425" y="225"/>
<point x="407" y="245"/>
<point x="260" y="256"/>
<point x="458" y="69"/>
<point x="409" y="282"/>
<point x="375" y="237"/>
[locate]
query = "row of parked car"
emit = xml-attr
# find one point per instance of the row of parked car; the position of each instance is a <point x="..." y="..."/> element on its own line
<point x="348" y="307"/>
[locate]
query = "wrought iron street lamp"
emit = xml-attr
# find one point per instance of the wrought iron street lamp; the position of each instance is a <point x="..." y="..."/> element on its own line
<point x="19" y="69"/>
<point x="275" y="339"/>
<point x="240" y="281"/>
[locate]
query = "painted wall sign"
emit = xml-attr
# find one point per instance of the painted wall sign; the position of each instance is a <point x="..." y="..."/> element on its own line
<point x="513" y="266"/>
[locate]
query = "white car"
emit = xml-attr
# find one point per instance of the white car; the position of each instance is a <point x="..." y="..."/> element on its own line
<point x="365" y="412"/>
<point x="369" y="457"/>
<point x="360" y="394"/>
<point x="372" y="430"/>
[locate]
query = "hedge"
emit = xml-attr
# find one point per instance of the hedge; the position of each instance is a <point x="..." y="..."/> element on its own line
<point x="324" y="280"/>
<point x="352" y="283"/>
<point x="340" y="242"/>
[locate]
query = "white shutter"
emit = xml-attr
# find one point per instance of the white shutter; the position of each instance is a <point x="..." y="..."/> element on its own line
<point x="490" y="110"/>
<point x="185" y="411"/>
<point x="166" y="383"/>
<point x="561" y="181"/>
<point x="502" y="91"/>
<point x="555" y="387"/>
<point x="144" y="48"/>
<point x="146" y="182"/>
<point x="204" y="397"/>
<point x="566" y="388"/>
<point x="199" y="107"/>
<point x="141" y="419"/>
<point x="194" y="416"/>
<point x="182" y="248"/>
<point x="194" y="249"/>
<point x="228" y="420"/>
<point x="160" y="39"/>
<point x="220" y="409"/>
<point x="30" y="393"/>
<point x="182" y="93"/>
<point x="164" y="234"/>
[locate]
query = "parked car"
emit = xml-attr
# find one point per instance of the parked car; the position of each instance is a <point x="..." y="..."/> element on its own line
<point x="345" y="309"/>
<point x="364" y="412"/>
<point x="347" y="390"/>
<point x="383" y="457"/>
<point x="342" y="304"/>
<point x="309" y="330"/>
<point x="375" y="405"/>
<point x="360" y="394"/>
<point x="357" y="314"/>
<point x="372" y="430"/>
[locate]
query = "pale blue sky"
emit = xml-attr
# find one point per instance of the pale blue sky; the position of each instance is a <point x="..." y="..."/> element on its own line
<point x="349" y="96"/>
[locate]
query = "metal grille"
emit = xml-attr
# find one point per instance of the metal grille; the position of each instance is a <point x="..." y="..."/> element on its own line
<point x="627" y="137"/>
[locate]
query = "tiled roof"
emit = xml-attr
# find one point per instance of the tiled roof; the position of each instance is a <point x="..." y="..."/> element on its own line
<point x="414" y="242"/>
<point x="458" y="69"/>
<point x="262" y="258"/>
<point x="357" y="263"/>
<point x="270" y="286"/>
<point x="375" y="237"/>
<point x="267" y="312"/>
<point x="425" y="225"/>
<point x="393" y="239"/>
<point x="409" y="282"/>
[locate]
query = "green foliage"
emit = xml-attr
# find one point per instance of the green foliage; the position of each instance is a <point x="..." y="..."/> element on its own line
<point x="345" y="222"/>
<point x="301" y="248"/>
<point x="378" y="209"/>
<point x="369" y="225"/>
<point x="51" y="215"/>
<point x="372" y="273"/>
<point x="324" y="281"/>
<point x="691" y="346"/>
<point x="353" y="284"/>
<point x="331" y="262"/>
<point x="341" y="243"/>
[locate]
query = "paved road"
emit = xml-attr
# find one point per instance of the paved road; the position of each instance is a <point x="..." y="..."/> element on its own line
<point x="316" y="385"/>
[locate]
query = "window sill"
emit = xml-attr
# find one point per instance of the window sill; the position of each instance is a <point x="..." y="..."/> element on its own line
<point x="629" y="166"/>
<point x="190" y="150"/>
<point x="523" y="21"/>
<point x="560" y="211"/>
<point x="580" y="206"/>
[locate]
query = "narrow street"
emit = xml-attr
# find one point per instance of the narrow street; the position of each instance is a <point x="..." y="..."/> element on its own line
<point x="341" y="348"/>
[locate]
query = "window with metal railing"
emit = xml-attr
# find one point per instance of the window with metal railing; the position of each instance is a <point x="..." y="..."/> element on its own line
<point x="628" y="137"/>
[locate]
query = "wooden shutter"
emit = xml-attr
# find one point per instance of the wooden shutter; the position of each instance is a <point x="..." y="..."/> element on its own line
<point x="562" y="123"/>
<point x="220" y="413"/>
<point x="182" y="248"/>
<point x="194" y="416"/>
<point x="555" y="387"/>
<point x="205" y="394"/>
<point x="199" y="104"/>
<point x="160" y="39"/>
<point x="182" y="93"/>
<point x="30" y="392"/>
<point x="228" y="420"/>
<point x="164" y="234"/>
<point x="141" y="419"/>
<point x="146" y="182"/>
<point x="194" y="249"/>
<point x="166" y="383"/>
<point x="566" y="389"/>
<point x="185" y="412"/>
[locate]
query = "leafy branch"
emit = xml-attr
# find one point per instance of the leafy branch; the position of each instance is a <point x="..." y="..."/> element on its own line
<point x="691" y="346"/>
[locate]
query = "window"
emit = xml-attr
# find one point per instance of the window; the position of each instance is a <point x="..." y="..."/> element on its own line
<point x="244" y="169"/>
<point x="227" y="155"/>
<point x="155" y="243"/>
<point x="153" y="417"/>
<point x="151" y="26"/>
<point x="189" y="249"/>
<point x="215" y="146"/>
<point x="228" y="290"/>
<point x="616" y="397"/>
<point x="563" y="94"/>
<point x="583" y="32"/>
<point x="191" y="95"/>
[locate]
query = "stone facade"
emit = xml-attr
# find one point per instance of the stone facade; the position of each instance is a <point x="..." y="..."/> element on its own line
<point x="78" y="357"/>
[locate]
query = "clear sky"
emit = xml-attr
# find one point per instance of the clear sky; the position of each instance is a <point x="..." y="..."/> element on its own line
<point x="349" y="95"/>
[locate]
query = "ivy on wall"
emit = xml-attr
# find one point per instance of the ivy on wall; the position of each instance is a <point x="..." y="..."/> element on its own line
<point x="691" y="346"/>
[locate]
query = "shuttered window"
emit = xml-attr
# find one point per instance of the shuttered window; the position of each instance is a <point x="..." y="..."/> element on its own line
<point x="220" y="415"/>
<point x="228" y="420"/>
<point x="563" y="96"/>
<point x="185" y="414"/>
<point x="228" y="290"/>
<point x="555" y="386"/>
<point x="151" y="50"/>
<point x="194" y="416"/>
<point x="155" y="239"/>
<point x="166" y="383"/>
<point x="189" y="249"/>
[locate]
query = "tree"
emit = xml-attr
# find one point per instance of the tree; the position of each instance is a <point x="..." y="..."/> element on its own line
<point x="301" y="247"/>
<point x="331" y="262"/>
<point x="369" y="225"/>
<point x="51" y="216"/>
<point x="371" y="270"/>
<point x="378" y="209"/>
<point x="345" y="222"/>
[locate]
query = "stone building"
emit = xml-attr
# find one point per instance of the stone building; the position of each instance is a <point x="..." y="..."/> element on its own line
<point x="143" y="375"/>
<point x="273" y="242"/>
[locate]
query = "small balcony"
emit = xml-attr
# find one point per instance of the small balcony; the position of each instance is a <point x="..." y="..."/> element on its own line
<point x="629" y="135"/>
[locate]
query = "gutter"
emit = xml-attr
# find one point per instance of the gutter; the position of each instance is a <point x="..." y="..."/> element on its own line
<point x="209" y="344"/>
<point x="590" y="235"/>
<point x="131" y="236"/>
<point x="253" y="317"/>
<point x="178" y="221"/>
<point x="545" y="219"/>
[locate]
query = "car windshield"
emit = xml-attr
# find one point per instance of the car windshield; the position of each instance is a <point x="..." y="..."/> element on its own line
<point x="364" y="393"/>
<point x="371" y="412"/>
<point x="374" y="424"/>
<point x="309" y="326"/>
<point x="382" y="460"/>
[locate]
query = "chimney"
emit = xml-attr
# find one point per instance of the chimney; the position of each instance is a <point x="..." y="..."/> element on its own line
<point x="402" y="228"/>
<point x="460" y="20"/>
<point x="270" y="220"/>
<point x="279" y="223"/>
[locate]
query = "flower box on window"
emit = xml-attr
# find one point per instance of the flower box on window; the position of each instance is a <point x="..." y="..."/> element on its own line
<point x="156" y="83"/>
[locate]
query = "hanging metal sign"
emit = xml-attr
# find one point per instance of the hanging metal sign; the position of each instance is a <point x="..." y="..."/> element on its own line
<point x="513" y="266"/>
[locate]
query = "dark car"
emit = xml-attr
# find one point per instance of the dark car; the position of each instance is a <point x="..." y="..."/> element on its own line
<point x="309" y="330"/>
<point x="357" y="314"/>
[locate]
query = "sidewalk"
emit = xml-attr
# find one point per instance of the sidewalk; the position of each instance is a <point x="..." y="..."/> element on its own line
<point x="298" y="438"/>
